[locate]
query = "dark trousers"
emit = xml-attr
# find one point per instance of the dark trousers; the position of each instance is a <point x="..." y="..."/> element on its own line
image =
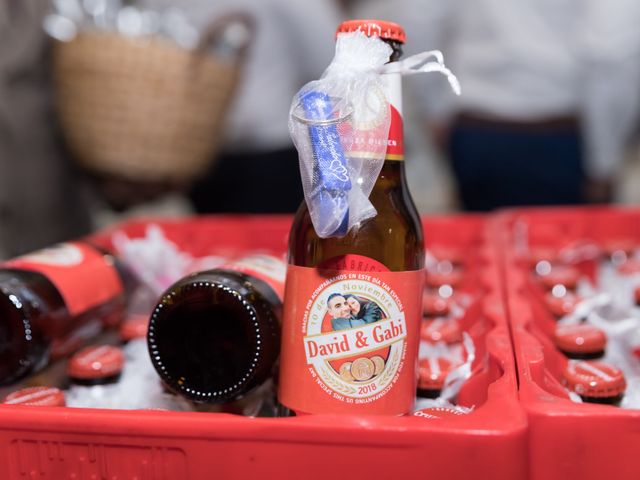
<point x="496" y="166"/>
<point x="266" y="182"/>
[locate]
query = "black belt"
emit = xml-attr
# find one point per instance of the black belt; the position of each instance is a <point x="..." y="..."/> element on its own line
<point x="549" y="124"/>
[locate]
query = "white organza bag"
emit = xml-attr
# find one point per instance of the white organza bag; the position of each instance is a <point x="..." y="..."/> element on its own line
<point x="340" y="126"/>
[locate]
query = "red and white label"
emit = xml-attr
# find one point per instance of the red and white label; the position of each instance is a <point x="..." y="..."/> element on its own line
<point x="84" y="277"/>
<point x="350" y="340"/>
<point x="369" y="137"/>
<point x="393" y="90"/>
<point x="270" y="270"/>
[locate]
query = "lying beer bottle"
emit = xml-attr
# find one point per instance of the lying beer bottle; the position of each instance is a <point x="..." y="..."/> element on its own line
<point x="353" y="305"/>
<point x="52" y="301"/>
<point x="215" y="335"/>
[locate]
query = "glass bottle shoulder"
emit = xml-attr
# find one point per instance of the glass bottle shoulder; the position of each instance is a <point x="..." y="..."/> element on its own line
<point x="393" y="237"/>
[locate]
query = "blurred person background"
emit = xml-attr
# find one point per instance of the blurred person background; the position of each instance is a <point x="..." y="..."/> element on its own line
<point x="45" y="197"/>
<point x="550" y="97"/>
<point x="550" y="94"/>
<point x="257" y="169"/>
<point x="40" y="201"/>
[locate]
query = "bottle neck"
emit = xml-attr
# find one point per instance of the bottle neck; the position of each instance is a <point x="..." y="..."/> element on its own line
<point x="392" y="174"/>
<point x="392" y="85"/>
<point x="391" y="178"/>
<point x="391" y="91"/>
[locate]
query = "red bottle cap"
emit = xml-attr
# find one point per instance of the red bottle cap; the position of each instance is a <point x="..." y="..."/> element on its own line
<point x="439" y="412"/>
<point x="36" y="396"/>
<point x="594" y="379"/>
<point x="96" y="362"/>
<point x="630" y="267"/>
<point x="134" y="326"/>
<point x="378" y="28"/>
<point x="636" y="294"/>
<point x="561" y="306"/>
<point x="433" y="305"/>
<point x="580" y="338"/>
<point x="445" y="330"/>
<point x="437" y="279"/>
<point x="561" y="275"/>
<point x="625" y="246"/>
<point x="432" y="373"/>
<point x="542" y="254"/>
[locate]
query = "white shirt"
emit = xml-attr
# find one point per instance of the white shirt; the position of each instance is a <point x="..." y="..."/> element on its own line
<point x="532" y="59"/>
<point x="294" y="43"/>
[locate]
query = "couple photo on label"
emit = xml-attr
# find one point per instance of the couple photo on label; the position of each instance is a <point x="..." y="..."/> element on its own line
<point x="350" y="311"/>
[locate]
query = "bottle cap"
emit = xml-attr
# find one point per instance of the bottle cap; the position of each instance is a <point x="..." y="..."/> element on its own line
<point x="36" y="396"/>
<point x="621" y="248"/>
<point x="96" y="362"/>
<point x="594" y="379"/>
<point x="134" y="326"/>
<point x="561" y="275"/>
<point x="433" y="372"/>
<point x="561" y="306"/>
<point x="379" y="28"/>
<point x="630" y="267"/>
<point x="439" y="412"/>
<point x="636" y="295"/>
<point x="445" y="330"/>
<point x="580" y="338"/>
<point x="433" y="305"/>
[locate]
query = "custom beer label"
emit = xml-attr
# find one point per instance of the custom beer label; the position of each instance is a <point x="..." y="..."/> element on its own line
<point x="350" y="339"/>
<point x="395" y="145"/>
<point x="393" y="89"/>
<point x="84" y="277"/>
<point x="364" y="144"/>
<point x="270" y="270"/>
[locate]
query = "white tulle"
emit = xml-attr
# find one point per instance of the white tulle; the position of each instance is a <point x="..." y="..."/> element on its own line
<point x="340" y="126"/>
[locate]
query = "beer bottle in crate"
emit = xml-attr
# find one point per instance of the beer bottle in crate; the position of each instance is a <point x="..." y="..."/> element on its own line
<point x="214" y="336"/>
<point x="353" y="300"/>
<point x="52" y="301"/>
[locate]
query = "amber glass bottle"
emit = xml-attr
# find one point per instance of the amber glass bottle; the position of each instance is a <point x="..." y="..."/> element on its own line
<point x="52" y="301"/>
<point x="352" y="308"/>
<point x="214" y="335"/>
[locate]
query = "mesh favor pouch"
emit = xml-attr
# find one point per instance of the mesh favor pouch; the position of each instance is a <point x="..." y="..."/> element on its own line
<point x="340" y="126"/>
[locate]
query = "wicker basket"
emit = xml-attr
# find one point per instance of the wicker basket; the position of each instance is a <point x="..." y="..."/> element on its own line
<point x="140" y="109"/>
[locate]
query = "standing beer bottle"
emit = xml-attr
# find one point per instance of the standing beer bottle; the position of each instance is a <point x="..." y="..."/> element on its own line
<point x="353" y="303"/>
<point x="52" y="301"/>
<point x="214" y="335"/>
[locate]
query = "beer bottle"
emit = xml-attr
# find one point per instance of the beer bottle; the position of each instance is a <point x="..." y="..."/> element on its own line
<point x="353" y="303"/>
<point x="52" y="301"/>
<point x="214" y="336"/>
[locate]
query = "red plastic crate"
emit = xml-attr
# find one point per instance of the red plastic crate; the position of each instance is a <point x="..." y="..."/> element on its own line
<point x="56" y="443"/>
<point x="566" y="439"/>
